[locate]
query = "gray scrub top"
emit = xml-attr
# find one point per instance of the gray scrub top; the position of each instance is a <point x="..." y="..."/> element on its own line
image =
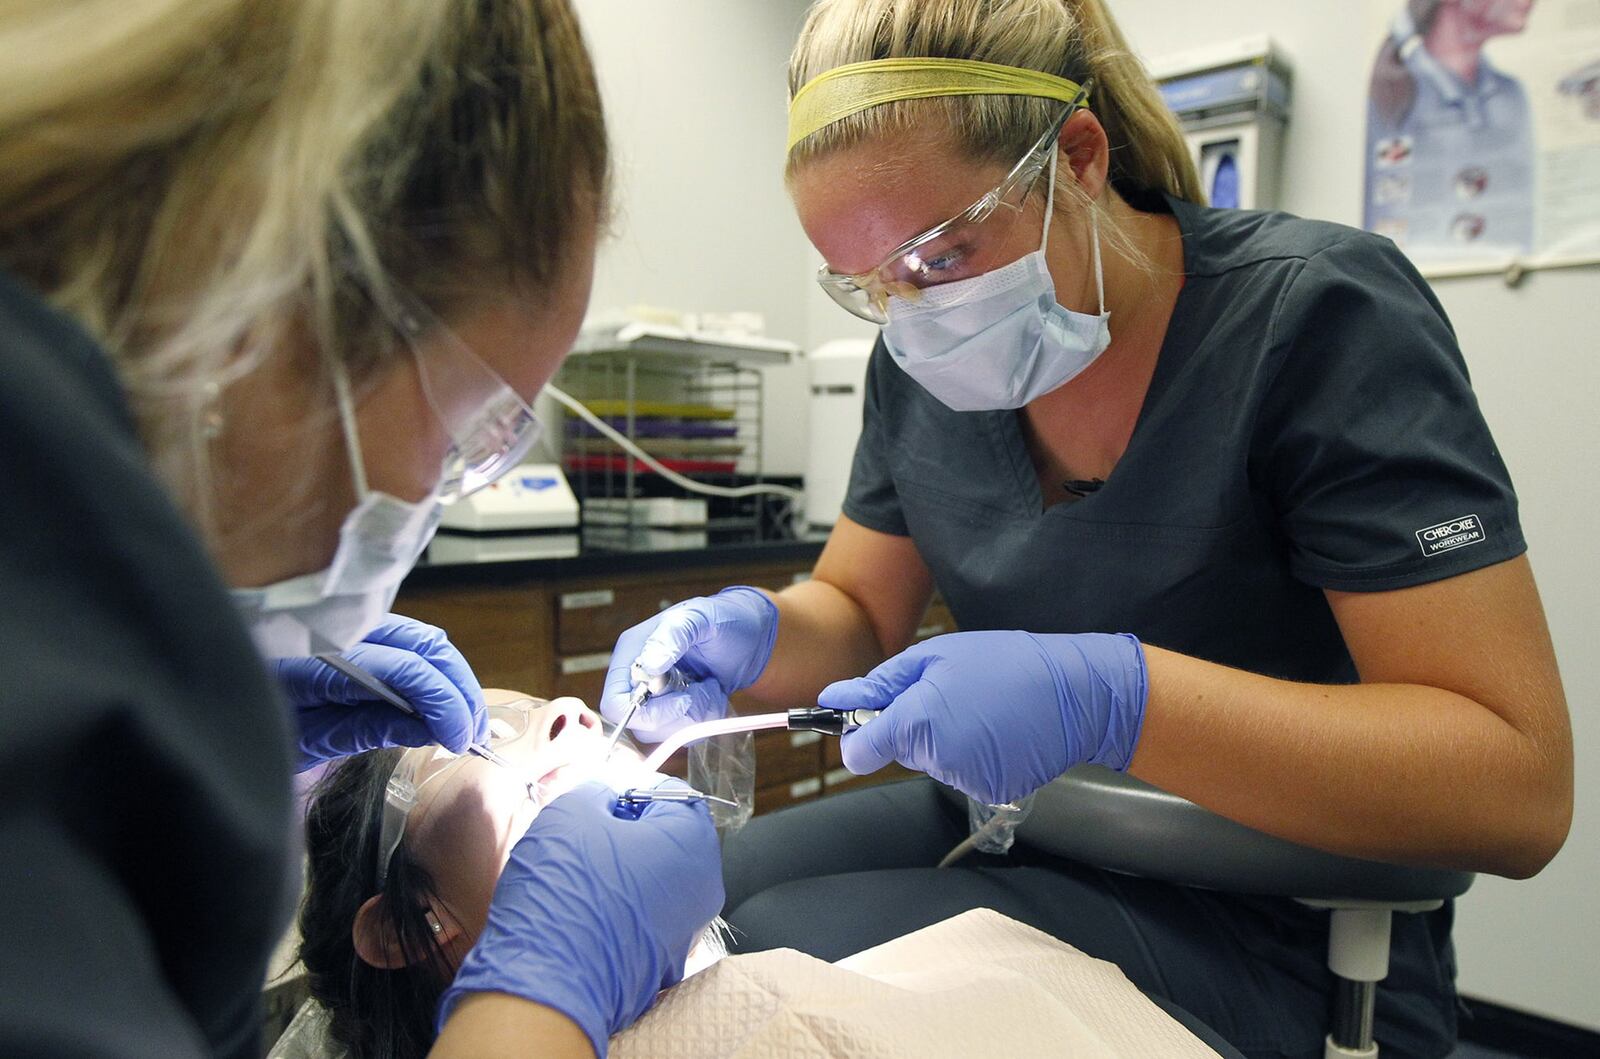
<point x="1309" y="426"/>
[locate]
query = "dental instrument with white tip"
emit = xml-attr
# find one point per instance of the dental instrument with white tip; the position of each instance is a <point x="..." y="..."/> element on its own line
<point x="645" y="686"/>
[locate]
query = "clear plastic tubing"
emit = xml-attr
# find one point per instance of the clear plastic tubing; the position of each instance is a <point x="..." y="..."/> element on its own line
<point x="705" y="729"/>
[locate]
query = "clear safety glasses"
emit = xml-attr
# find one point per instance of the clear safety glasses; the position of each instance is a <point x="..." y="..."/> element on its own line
<point x="491" y="428"/>
<point x="424" y="767"/>
<point x="971" y="243"/>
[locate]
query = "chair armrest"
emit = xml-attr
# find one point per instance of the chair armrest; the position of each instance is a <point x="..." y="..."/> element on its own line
<point x="1111" y="820"/>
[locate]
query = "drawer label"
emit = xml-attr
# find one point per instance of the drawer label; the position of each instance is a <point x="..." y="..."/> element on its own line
<point x="804" y="738"/>
<point x="837" y="776"/>
<point x="805" y="788"/>
<point x="585" y="663"/>
<point x="600" y="597"/>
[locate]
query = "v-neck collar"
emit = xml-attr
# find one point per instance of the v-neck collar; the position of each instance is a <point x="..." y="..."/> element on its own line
<point x="1005" y="427"/>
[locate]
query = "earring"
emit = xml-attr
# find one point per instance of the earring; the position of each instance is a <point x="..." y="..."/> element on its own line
<point x="210" y="415"/>
<point x="433" y="923"/>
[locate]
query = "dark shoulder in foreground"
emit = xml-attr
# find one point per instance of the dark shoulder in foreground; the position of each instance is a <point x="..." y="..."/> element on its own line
<point x="147" y="811"/>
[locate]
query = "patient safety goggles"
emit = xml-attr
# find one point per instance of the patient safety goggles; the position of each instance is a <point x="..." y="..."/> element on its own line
<point x="968" y="244"/>
<point x="491" y="428"/>
<point x="425" y="766"/>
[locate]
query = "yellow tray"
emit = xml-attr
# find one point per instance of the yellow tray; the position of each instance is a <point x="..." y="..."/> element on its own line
<point x="664" y="409"/>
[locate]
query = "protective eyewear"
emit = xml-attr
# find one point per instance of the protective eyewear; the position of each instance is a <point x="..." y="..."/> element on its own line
<point x="424" y="767"/>
<point x="491" y="428"/>
<point x="968" y="244"/>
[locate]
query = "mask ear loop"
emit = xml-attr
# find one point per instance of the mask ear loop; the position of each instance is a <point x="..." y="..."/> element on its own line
<point x="1094" y="232"/>
<point x="1049" y="201"/>
<point x="347" y="423"/>
<point x="1099" y="273"/>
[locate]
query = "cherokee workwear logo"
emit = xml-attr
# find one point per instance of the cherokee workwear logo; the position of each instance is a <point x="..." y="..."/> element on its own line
<point x="1457" y="533"/>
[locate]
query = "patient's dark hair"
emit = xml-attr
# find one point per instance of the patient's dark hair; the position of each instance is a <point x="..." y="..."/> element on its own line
<point x="372" y="1011"/>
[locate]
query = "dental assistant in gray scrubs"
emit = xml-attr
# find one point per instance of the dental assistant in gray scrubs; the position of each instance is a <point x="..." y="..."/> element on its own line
<point x="1208" y="492"/>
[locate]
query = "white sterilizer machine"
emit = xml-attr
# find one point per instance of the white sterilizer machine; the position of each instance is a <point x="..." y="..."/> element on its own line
<point x="838" y="372"/>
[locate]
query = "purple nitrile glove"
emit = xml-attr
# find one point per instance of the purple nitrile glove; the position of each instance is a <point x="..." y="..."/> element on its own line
<point x="337" y="717"/>
<point x="998" y="715"/>
<point x="719" y="643"/>
<point x="597" y="909"/>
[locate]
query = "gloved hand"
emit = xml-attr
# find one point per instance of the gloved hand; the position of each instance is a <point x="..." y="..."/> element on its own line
<point x="998" y="715"/>
<point x="597" y="910"/>
<point x="721" y="643"/>
<point x="337" y="717"/>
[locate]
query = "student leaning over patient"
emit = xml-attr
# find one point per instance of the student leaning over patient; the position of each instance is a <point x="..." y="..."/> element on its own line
<point x="278" y="278"/>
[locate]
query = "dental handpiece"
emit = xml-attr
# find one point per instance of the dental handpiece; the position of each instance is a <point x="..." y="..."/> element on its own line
<point x="644" y="686"/>
<point x="828" y="722"/>
<point x="377" y="687"/>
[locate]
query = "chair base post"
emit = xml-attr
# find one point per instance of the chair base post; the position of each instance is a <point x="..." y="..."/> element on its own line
<point x="1358" y="953"/>
<point x="1335" y="1051"/>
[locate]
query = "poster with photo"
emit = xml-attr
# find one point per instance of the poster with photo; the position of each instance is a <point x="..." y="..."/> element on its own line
<point x="1483" y="132"/>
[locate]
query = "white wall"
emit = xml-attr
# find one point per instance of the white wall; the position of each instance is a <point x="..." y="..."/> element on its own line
<point x="1535" y="363"/>
<point x="695" y="94"/>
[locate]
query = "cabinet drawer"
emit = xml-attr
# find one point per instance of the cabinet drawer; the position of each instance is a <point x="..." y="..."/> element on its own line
<point x="842" y="779"/>
<point x="504" y="631"/>
<point x="590" y="616"/>
<point x="591" y="619"/>
<point x="783" y="757"/>
<point x="583" y="675"/>
<point x="779" y="795"/>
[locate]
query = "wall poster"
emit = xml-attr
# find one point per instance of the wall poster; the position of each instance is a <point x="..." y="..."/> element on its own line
<point x="1483" y="132"/>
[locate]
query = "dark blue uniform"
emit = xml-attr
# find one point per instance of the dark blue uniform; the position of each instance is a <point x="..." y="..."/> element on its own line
<point x="1309" y="426"/>
<point x="145" y="819"/>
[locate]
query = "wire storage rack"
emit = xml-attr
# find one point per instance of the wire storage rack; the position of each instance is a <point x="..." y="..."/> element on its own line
<point x="692" y="403"/>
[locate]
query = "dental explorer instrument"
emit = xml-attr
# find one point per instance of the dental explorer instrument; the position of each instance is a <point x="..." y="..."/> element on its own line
<point x="393" y="698"/>
<point x="644" y="795"/>
<point x="644" y="688"/>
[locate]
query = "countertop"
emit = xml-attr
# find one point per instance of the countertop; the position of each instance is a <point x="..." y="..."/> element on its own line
<point x="598" y="562"/>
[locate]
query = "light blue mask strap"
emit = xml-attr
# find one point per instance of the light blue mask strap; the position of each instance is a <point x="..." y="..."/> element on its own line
<point x="1094" y="232"/>
<point x="347" y="423"/>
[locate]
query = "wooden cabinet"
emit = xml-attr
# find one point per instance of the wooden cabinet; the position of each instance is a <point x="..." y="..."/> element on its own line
<point x="553" y="636"/>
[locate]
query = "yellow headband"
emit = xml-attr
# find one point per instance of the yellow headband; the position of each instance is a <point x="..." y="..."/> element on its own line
<point x="850" y="89"/>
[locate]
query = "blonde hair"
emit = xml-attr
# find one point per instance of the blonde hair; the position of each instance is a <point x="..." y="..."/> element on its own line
<point x="199" y="182"/>
<point x="1074" y="39"/>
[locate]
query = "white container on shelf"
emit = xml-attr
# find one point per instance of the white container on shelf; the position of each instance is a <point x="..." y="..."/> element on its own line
<point x="837" y="373"/>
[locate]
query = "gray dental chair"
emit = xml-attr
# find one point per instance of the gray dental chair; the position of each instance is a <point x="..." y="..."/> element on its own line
<point x="1113" y="821"/>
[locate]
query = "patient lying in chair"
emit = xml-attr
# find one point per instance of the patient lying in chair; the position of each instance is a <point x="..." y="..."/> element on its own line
<point x="399" y="887"/>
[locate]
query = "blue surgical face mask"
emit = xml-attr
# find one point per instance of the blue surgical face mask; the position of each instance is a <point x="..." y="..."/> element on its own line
<point x="998" y="340"/>
<point x="379" y="542"/>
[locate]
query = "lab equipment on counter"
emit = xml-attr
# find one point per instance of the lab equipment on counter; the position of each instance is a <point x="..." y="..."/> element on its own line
<point x="531" y="513"/>
<point x="662" y="405"/>
<point x="837" y="373"/>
